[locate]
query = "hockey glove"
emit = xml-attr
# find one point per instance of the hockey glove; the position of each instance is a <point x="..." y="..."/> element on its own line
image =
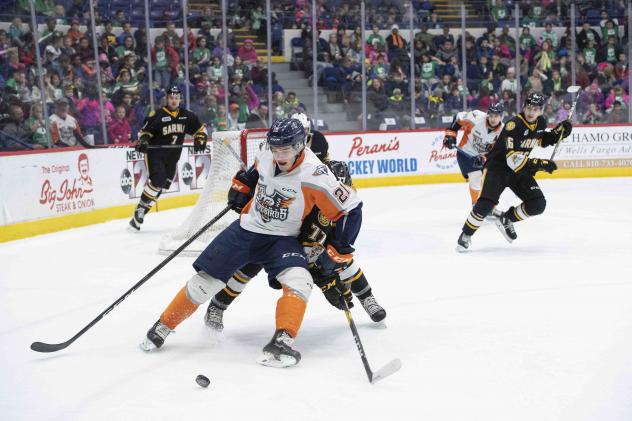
<point x="544" y="165"/>
<point x="334" y="289"/>
<point x="449" y="140"/>
<point x="142" y="144"/>
<point x="478" y="162"/>
<point x="199" y="143"/>
<point x="330" y="262"/>
<point x="239" y="194"/>
<point x="564" y="125"/>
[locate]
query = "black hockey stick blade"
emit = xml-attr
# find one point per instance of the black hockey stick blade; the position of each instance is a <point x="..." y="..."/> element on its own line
<point x="386" y="371"/>
<point x="42" y="347"/>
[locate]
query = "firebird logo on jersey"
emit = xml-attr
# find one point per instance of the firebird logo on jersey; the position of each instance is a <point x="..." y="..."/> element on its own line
<point x="321" y="170"/>
<point x="275" y="206"/>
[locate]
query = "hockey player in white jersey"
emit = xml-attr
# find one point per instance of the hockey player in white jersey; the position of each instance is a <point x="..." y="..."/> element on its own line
<point x="288" y="181"/>
<point x="480" y="131"/>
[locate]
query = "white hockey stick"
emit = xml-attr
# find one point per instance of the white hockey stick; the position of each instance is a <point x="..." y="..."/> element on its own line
<point x="571" y="90"/>
<point x="383" y="372"/>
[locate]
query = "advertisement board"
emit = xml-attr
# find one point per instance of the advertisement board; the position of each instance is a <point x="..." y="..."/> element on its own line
<point x="36" y="187"/>
<point x="43" y="185"/>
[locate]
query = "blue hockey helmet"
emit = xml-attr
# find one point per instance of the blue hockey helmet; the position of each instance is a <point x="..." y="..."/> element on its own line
<point x="287" y="132"/>
<point x="496" y="108"/>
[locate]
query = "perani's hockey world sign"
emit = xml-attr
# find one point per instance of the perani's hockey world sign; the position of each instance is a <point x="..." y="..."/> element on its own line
<point x="408" y="157"/>
<point x="393" y="154"/>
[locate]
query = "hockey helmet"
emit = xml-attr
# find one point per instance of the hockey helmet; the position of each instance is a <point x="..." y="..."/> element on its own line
<point x="286" y="132"/>
<point x="496" y="108"/>
<point x="535" y="99"/>
<point x="305" y="121"/>
<point x="174" y="90"/>
<point x="341" y="171"/>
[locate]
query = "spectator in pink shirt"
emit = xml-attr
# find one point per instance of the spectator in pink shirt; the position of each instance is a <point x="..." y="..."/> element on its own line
<point x="617" y="94"/>
<point x="248" y="53"/>
<point x="119" y="130"/>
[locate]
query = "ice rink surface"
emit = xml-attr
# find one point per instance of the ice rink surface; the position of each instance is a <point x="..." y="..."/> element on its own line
<point x="540" y="329"/>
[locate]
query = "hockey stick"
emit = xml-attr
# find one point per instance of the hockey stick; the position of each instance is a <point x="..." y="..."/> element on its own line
<point x="571" y="90"/>
<point x="226" y="142"/>
<point x="383" y="372"/>
<point x="44" y="347"/>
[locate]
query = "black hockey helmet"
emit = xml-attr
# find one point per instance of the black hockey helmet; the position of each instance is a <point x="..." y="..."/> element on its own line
<point x="536" y="99"/>
<point x="174" y="90"/>
<point x="496" y="108"/>
<point x="287" y="132"/>
<point x="341" y="171"/>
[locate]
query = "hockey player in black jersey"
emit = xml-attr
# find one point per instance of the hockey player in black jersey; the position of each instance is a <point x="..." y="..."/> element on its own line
<point x="508" y="166"/>
<point x="315" y="234"/>
<point x="315" y="140"/>
<point x="167" y="126"/>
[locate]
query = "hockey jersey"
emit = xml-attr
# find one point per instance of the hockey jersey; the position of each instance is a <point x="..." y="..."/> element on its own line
<point x="63" y="130"/>
<point x="477" y="136"/>
<point x="282" y="200"/>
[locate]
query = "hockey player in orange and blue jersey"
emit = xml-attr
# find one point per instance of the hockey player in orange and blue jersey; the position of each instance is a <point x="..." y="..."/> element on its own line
<point x="316" y="232"/>
<point x="288" y="180"/>
<point x="480" y="131"/>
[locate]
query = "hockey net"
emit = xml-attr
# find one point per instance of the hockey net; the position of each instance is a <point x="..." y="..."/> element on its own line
<point x="224" y="165"/>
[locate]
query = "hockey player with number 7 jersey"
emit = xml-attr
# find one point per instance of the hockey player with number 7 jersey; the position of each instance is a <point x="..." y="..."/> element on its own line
<point x="288" y="181"/>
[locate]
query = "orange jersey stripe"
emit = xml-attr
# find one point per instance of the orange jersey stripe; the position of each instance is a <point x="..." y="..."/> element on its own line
<point x="315" y="196"/>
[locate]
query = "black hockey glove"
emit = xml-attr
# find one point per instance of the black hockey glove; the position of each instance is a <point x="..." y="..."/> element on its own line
<point x="199" y="143"/>
<point x="142" y="144"/>
<point x="449" y="140"/>
<point x="564" y="125"/>
<point x="544" y="165"/>
<point x="334" y="289"/>
<point x="478" y="162"/>
<point x="239" y="194"/>
<point x="330" y="262"/>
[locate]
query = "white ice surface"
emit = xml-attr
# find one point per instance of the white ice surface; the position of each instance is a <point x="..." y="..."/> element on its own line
<point x="537" y="330"/>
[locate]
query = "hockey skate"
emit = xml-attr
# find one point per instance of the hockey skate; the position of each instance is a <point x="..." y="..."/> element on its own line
<point x="505" y="225"/>
<point x="137" y="219"/>
<point x="213" y="319"/>
<point x="463" y="243"/>
<point x="375" y="311"/>
<point x="155" y="337"/>
<point x="278" y="353"/>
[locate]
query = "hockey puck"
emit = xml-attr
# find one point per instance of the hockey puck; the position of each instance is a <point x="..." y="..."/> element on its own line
<point x="202" y="380"/>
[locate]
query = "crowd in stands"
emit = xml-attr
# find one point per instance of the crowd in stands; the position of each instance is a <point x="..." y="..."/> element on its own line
<point x="439" y="87"/>
<point x="70" y="67"/>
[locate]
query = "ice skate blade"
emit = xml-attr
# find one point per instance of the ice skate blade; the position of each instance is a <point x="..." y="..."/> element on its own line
<point x="283" y="361"/>
<point x="501" y="228"/>
<point x="213" y="327"/>
<point x="461" y="249"/>
<point x="379" y="325"/>
<point x="147" y="346"/>
<point x="131" y="228"/>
